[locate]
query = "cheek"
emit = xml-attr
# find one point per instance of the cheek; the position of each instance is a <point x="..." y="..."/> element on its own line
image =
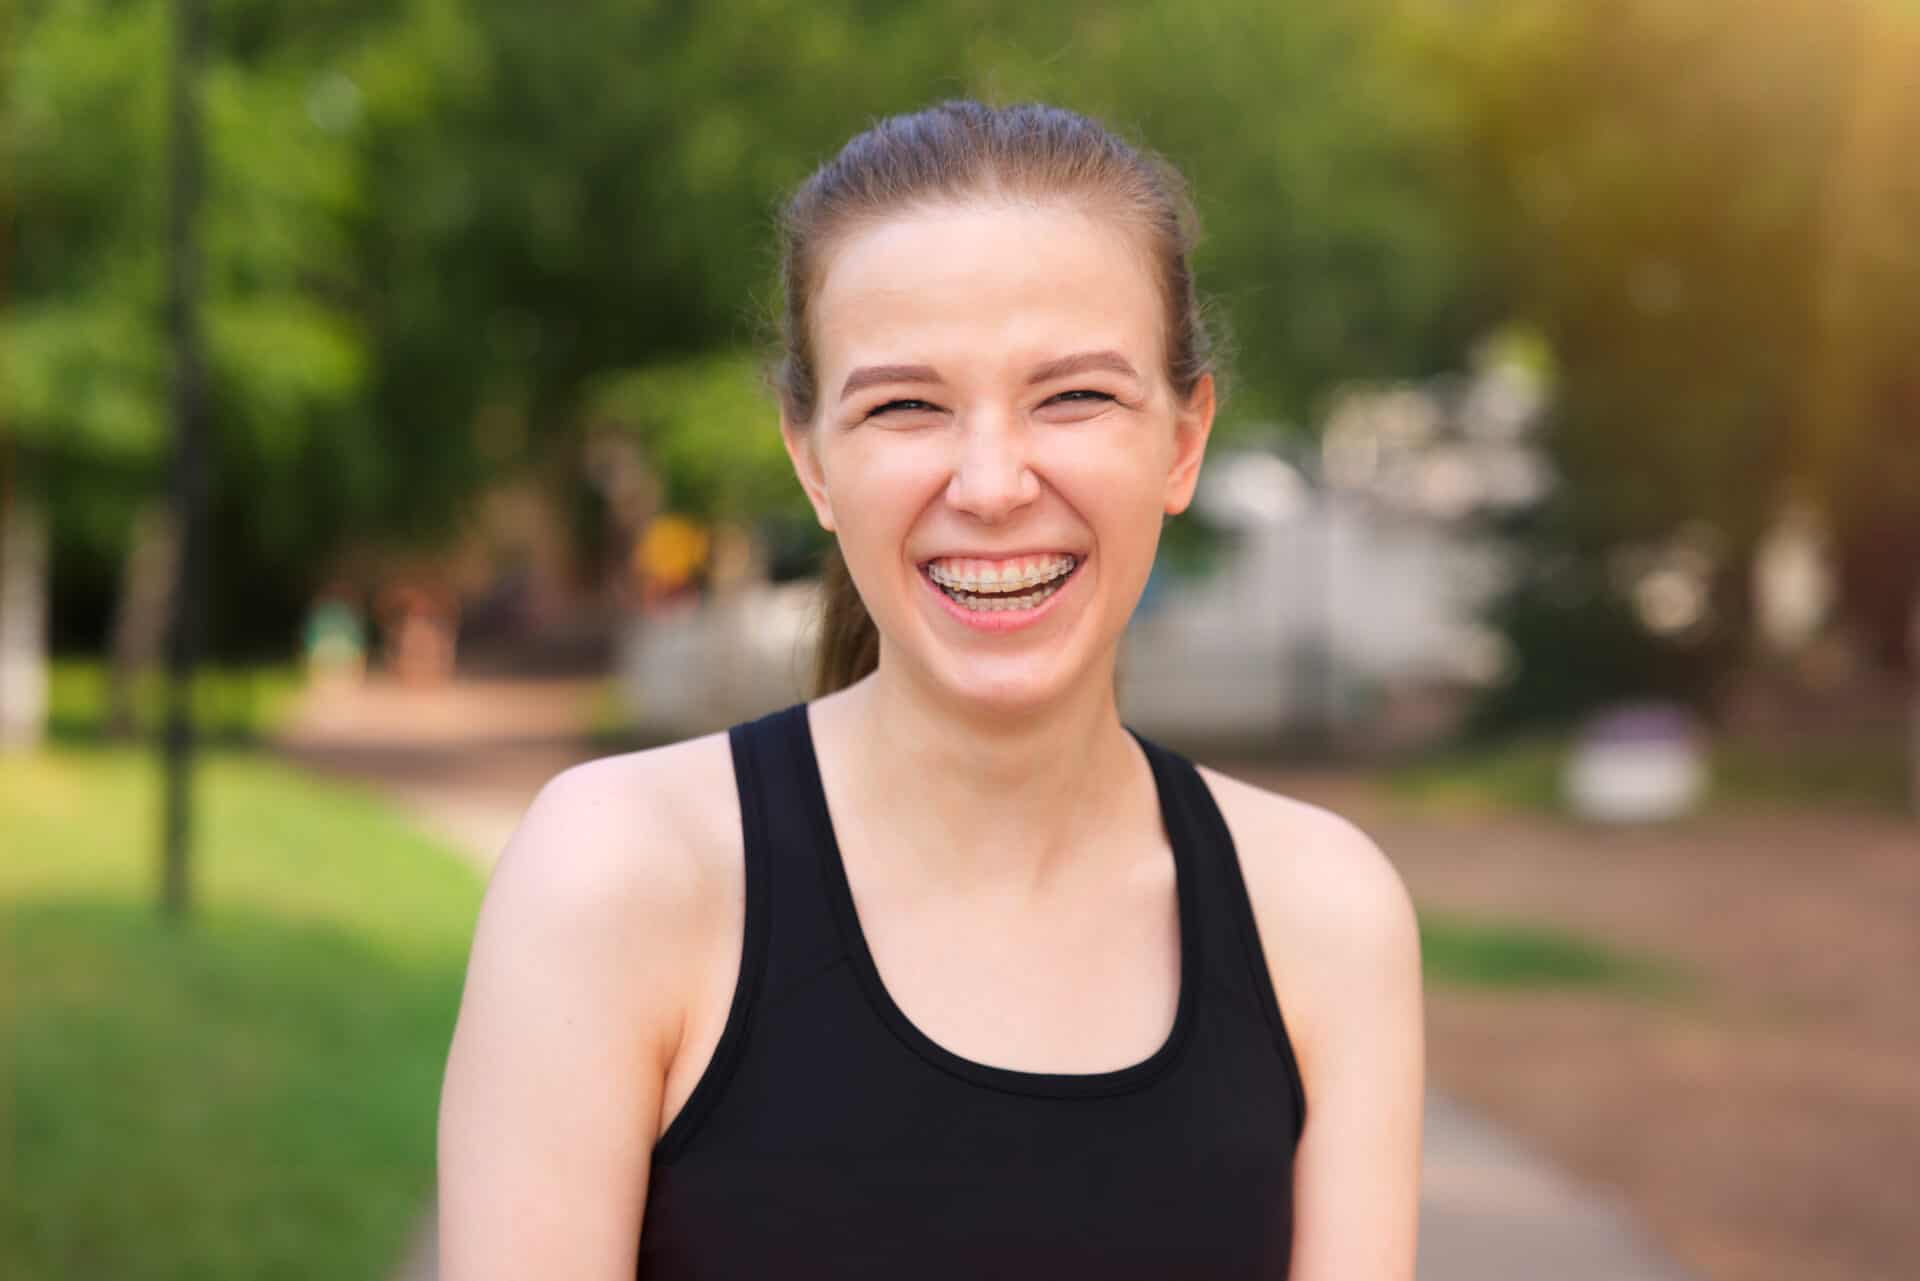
<point x="880" y="484"/>
<point x="1121" y="494"/>
<point x="1120" y="484"/>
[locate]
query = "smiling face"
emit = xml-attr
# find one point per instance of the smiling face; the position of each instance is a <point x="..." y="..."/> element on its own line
<point x="996" y="440"/>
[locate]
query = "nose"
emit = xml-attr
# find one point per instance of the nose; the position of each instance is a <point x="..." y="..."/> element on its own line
<point x="991" y="477"/>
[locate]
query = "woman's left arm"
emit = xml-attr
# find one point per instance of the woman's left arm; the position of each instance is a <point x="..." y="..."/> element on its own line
<point x="1343" y="947"/>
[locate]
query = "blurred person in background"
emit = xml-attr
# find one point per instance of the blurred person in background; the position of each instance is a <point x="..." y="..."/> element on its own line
<point x="946" y="973"/>
<point x="335" y="639"/>
<point x="419" y="622"/>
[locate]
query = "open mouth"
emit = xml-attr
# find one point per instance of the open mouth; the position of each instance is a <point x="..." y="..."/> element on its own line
<point x="996" y="587"/>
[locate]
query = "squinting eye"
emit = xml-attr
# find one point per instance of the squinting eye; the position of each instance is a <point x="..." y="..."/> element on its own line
<point x="1097" y="396"/>
<point x="892" y="405"/>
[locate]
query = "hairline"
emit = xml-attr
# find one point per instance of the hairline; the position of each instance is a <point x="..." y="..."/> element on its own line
<point x="990" y="192"/>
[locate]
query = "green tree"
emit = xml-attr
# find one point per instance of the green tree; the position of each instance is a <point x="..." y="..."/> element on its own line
<point x="621" y="171"/>
<point x="1699" y="206"/>
<point x="441" y="229"/>
<point x="83" y="372"/>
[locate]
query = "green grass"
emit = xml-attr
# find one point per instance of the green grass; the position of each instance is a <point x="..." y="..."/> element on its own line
<point x="1863" y="772"/>
<point x="1867" y="772"/>
<point x="608" y="720"/>
<point x="249" y="1096"/>
<point x="1486" y="954"/>
<point x="1520" y="775"/>
<point x="232" y="704"/>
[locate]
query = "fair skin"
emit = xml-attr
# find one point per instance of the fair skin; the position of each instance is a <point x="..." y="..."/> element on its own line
<point x="981" y="785"/>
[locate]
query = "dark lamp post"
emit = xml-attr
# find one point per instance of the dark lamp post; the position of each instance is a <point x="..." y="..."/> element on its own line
<point x="189" y="476"/>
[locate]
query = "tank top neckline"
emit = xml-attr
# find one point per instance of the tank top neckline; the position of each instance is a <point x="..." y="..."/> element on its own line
<point x="1013" y="1080"/>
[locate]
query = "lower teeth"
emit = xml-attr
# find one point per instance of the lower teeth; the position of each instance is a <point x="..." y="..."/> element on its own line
<point x="997" y="604"/>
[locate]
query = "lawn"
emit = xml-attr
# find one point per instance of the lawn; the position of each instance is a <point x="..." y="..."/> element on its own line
<point x="1476" y="953"/>
<point x="232" y="703"/>
<point x="251" y="1095"/>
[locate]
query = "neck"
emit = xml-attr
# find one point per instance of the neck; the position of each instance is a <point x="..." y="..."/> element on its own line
<point x="975" y="795"/>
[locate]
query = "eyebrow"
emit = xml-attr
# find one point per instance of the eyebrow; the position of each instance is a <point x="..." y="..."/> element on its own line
<point x="1081" y="362"/>
<point x="871" y="374"/>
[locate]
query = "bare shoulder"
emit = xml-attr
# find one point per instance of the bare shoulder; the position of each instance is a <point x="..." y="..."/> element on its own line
<point x="1303" y="860"/>
<point x="624" y="874"/>
<point x="1336" y="922"/>
<point x="596" y="939"/>
<point x="1342" y="945"/>
<point x="645" y="826"/>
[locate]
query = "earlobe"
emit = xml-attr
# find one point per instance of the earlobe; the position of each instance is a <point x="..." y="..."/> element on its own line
<point x="799" y="440"/>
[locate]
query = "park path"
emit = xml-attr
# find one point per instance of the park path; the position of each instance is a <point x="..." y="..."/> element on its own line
<point x="466" y="759"/>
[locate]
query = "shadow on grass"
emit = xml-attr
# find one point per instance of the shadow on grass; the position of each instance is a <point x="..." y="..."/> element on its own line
<point x="243" y="1097"/>
<point x="1484" y="954"/>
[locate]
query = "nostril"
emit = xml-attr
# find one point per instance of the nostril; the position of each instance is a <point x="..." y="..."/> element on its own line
<point x="983" y="488"/>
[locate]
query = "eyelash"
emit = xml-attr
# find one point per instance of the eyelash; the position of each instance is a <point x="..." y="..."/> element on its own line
<point x="889" y="405"/>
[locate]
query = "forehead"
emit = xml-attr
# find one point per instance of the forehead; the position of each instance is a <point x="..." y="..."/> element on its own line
<point x="985" y="283"/>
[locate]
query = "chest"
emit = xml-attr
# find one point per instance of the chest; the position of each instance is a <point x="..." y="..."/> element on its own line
<point x="1080" y="981"/>
<point x="890" y="1172"/>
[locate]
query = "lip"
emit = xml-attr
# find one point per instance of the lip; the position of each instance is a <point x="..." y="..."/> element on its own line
<point x="1004" y="620"/>
<point x="999" y="557"/>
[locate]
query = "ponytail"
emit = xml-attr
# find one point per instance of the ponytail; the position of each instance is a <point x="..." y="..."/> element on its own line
<point x="849" y="642"/>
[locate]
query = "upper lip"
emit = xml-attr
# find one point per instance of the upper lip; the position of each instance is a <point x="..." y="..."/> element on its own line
<point x="1011" y="555"/>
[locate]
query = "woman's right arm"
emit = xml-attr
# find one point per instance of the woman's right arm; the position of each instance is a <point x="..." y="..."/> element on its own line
<point x="573" y="1008"/>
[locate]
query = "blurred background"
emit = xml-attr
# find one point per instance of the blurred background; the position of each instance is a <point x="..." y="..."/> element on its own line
<point x="1562" y="529"/>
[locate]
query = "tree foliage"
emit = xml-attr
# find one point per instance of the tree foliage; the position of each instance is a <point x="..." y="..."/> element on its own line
<point x="438" y="229"/>
<point x="83" y="364"/>
<point x="1707" y="210"/>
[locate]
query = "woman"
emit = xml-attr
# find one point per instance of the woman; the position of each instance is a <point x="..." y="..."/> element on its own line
<point x="946" y="973"/>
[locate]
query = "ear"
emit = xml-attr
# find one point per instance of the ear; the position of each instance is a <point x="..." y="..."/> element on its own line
<point x="799" y="440"/>
<point x="1191" y="427"/>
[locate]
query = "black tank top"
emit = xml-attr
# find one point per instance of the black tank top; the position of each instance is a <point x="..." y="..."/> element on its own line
<point x="830" y="1138"/>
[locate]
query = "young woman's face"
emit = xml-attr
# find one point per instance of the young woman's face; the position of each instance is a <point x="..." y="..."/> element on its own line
<point x="995" y="440"/>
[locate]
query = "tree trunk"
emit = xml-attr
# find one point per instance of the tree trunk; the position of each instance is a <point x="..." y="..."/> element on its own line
<point x="140" y="619"/>
<point x="23" y="616"/>
<point x="1913" y="680"/>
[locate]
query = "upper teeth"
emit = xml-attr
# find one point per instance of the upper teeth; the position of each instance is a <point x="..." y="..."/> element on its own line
<point x="971" y="575"/>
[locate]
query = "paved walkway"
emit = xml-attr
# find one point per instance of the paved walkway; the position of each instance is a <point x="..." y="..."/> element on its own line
<point x="466" y="761"/>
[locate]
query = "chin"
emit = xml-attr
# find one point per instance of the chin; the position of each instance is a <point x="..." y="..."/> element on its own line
<point x="1008" y="685"/>
<point x="1002" y="675"/>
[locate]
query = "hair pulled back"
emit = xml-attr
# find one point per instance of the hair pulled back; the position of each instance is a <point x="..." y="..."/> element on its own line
<point x="954" y="153"/>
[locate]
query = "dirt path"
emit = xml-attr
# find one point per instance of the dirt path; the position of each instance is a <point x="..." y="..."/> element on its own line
<point x="1768" y="1127"/>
